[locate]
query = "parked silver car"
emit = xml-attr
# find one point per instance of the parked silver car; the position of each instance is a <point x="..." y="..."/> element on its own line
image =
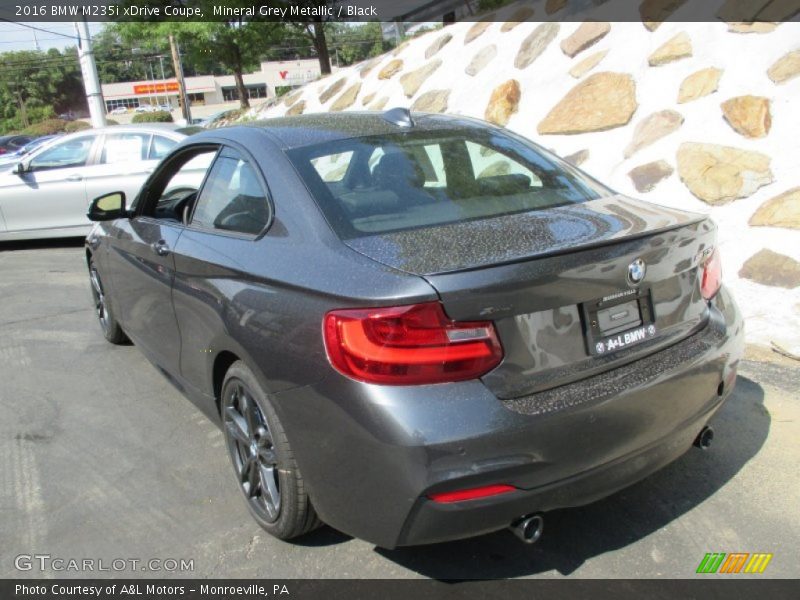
<point x="47" y="193"/>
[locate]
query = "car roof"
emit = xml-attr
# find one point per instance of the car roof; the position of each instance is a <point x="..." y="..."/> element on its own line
<point x="164" y="128"/>
<point x="304" y="130"/>
<point x="6" y="138"/>
<point x="139" y="126"/>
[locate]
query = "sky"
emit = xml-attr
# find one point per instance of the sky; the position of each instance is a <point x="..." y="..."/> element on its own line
<point x="20" y="36"/>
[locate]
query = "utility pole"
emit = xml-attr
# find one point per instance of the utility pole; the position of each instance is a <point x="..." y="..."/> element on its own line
<point x="182" y="97"/>
<point x="164" y="79"/>
<point x="91" y="82"/>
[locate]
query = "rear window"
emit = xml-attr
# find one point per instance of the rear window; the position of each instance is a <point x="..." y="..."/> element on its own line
<point x="374" y="185"/>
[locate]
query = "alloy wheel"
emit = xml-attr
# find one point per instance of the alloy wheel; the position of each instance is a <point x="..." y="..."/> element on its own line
<point x="252" y="450"/>
<point x="99" y="299"/>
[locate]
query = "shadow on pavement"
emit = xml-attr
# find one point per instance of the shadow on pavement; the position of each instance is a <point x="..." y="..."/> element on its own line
<point x="573" y="536"/>
<point x="73" y="242"/>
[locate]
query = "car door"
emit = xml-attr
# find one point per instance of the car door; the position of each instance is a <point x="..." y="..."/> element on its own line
<point x="212" y="258"/>
<point x="141" y="261"/>
<point x="124" y="161"/>
<point x="51" y="193"/>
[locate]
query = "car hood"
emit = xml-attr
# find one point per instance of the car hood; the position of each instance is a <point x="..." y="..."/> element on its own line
<point x="509" y="238"/>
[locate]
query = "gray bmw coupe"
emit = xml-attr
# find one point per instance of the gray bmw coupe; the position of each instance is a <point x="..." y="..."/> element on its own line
<point x="417" y="328"/>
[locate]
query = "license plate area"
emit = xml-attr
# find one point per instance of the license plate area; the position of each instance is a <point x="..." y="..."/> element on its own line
<point x="618" y="321"/>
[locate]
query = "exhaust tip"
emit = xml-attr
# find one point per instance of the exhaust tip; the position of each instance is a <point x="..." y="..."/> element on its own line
<point x="704" y="438"/>
<point x="528" y="528"/>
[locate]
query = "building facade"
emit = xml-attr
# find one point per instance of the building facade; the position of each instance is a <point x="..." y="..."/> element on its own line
<point x="211" y="89"/>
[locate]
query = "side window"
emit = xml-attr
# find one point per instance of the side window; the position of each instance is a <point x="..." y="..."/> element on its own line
<point x="70" y="153"/>
<point x="332" y="168"/>
<point x="488" y="164"/>
<point x="160" y="147"/>
<point x="232" y="198"/>
<point x="124" y="147"/>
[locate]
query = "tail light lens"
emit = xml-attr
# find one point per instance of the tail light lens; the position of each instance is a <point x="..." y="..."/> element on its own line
<point x="409" y="345"/>
<point x="710" y="275"/>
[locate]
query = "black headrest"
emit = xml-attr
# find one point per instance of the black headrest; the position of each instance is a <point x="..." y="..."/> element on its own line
<point x="397" y="168"/>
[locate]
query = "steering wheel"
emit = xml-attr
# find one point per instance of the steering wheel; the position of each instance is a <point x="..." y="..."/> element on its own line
<point x="172" y="205"/>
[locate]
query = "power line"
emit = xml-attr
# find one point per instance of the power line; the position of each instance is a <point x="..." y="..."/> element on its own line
<point x="72" y="37"/>
<point x="25" y="41"/>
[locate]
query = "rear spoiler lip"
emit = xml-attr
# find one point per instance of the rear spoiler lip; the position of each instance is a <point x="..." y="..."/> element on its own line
<point x="572" y="249"/>
<point x="379" y="247"/>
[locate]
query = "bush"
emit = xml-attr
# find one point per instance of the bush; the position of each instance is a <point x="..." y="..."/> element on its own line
<point x="74" y="126"/>
<point x="159" y="116"/>
<point x="47" y="127"/>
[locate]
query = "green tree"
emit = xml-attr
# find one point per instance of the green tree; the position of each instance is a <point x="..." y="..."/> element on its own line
<point x="355" y="42"/>
<point x="231" y="46"/>
<point x="35" y="85"/>
<point x="115" y="60"/>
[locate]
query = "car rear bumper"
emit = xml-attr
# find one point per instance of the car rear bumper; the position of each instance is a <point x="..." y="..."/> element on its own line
<point x="371" y="455"/>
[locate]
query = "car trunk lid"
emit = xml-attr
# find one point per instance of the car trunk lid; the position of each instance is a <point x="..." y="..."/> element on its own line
<point x="556" y="283"/>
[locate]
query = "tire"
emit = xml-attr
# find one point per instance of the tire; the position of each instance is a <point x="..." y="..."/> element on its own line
<point x="262" y="459"/>
<point x="111" y="328"/>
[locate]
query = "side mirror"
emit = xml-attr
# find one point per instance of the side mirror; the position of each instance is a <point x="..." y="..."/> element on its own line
<point x="20" y="168"/>
<point x="107" y="207"/>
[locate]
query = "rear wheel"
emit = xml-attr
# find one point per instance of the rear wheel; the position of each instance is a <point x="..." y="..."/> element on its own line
<point x="262" y="459"/>
<point x="111" y="329"/>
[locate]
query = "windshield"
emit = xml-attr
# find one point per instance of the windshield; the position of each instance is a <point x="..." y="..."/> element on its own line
<point x="378" y="184"/>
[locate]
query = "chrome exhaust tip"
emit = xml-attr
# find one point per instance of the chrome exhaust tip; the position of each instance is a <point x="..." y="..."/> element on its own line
<point x="704" y="438"/>
<point x="528" y="528"/>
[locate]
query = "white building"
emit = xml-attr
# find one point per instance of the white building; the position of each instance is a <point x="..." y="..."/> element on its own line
<point x="212" y="89"/>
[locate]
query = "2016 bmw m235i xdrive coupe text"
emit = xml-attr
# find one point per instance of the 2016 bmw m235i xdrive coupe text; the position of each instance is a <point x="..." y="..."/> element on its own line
<point x="417" y="328"/>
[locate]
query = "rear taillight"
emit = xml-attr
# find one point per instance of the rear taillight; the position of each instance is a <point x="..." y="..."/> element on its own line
<point x="710" y="274"/>
<point x="409" y="345"/>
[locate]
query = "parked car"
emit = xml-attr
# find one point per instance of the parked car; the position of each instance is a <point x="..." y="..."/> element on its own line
<point x="12" y="143"/>
<point x="211" y="119"/>
<point x="145" y="108"/>
<point x="119" y="110"/>
<point x="14" y="157"/>
<point x="417" y="328"/>
<point x="46" y="193"/>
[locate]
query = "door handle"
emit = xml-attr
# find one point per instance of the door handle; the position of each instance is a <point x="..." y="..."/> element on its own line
<point x="75" y="177"/>
<point x="160" y="247"/>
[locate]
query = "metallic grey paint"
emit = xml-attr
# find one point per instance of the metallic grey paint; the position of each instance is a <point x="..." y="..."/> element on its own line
<point x="566" y="428"/>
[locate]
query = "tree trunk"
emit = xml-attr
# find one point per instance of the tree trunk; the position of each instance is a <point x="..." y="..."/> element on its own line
<point x="321" y="46"/>
<point x="23" y="110"/>
<point x="244" y="100"/>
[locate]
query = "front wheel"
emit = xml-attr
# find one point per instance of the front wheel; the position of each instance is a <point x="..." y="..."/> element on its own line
<point x="111" y="329"/>
<point x="262" y="459"/>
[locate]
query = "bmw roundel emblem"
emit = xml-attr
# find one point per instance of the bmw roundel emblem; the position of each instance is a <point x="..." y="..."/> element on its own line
<point x="636" y="271"/>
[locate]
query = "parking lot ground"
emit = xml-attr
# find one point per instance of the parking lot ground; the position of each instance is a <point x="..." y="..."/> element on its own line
<point x="101" y="458"/>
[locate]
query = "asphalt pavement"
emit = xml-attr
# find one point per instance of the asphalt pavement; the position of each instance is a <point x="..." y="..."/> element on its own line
<point x="102" y="459"/>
